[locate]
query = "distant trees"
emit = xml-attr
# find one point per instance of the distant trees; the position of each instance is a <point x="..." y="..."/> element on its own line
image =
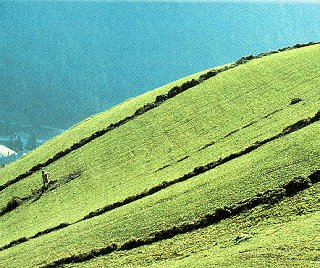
<point x="32" y="142"/>
<point x="21" y="143"/>
<point x="16" y="144"/>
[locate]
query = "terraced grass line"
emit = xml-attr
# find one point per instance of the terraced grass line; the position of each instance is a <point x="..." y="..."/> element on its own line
<point x="197" y="171"/>
<point x="226" y="136"/>
<point x="271" y="197"/>
<point x="149" y="106"/>
<point x="202" y="169"/>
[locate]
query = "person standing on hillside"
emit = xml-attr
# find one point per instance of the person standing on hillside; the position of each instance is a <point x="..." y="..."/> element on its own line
<point x="45" y="178"/>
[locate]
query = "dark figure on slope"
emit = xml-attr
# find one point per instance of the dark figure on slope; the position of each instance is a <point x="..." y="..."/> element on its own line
<point x="45" y="178"/>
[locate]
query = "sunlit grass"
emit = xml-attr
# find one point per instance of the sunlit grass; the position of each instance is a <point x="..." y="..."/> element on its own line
<point x="127" y="160"/>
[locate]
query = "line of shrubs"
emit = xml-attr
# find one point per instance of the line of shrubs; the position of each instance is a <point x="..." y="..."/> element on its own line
<point x="197" y="171"/>
<point x="159" y="99"/>
<point x="271" y="197"/>
<point x="14" y="203"/>
<point x="25" y="239"/>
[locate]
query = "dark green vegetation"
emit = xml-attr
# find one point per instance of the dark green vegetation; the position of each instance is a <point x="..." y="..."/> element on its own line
<point x="215" y="169"/>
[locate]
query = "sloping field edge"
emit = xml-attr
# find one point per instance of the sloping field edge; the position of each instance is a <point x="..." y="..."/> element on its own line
<point x="271" y="196"/>
<point x="197" y="171"/>
<point x="147" y="107"/>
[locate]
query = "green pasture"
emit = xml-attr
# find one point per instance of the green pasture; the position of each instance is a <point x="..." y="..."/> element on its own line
<point x="231" y="111"/>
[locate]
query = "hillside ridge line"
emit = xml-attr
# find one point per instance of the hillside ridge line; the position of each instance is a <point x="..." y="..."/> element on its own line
<point x="147" y="107"/>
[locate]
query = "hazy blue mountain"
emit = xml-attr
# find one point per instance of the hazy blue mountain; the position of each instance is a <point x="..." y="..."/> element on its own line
<point x="63" y="61"/>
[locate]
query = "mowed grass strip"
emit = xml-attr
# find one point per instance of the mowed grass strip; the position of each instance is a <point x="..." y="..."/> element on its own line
<point x="197" y="171"/>
<point x="113" y="171"/>
<point x="229" y="183"/>
<point x="7" y="220"/>
<point x="284" y="235"/>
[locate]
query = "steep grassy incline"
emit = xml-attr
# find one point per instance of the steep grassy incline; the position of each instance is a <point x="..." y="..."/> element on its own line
<point x="83" y="130"/>
<point x="222" y="140"/>
<point x="284" y="235"/>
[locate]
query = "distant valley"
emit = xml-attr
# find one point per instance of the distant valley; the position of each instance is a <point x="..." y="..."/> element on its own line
<point x="58" y="68"/>
<point x="23" y="138"/>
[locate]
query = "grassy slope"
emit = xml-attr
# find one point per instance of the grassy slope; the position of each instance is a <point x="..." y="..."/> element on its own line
<point x="123" y="162"/>
<point x="286" y="235"/>
<point x="229" y="183"/>
<point x="84" y="129"/>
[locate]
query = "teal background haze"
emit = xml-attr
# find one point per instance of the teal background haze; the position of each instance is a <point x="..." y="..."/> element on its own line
<point x="61" y="62"/>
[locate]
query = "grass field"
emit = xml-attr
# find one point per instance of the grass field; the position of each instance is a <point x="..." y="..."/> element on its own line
<point x="285" y="235"/>
<point x="213" y="145"/>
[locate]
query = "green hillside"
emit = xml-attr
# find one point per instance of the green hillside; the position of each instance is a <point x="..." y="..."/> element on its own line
<point x="219" y="169"/>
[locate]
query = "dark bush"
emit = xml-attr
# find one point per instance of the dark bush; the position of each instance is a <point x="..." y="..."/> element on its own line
<point x="298" y="45"/>
<point x="222" y="213"/>
<point x="315" y="176"/>
<point x="298" y="125"/>
<point x="245" y="59"/>
<point x="11" y="205"/>
<point x="174" y="91"/>
<point x="130" y="244"/>
<point x="295" y="100"/>
<point x="161" y="98"/>
<point x="296" y="185"/>
<point x="139" y="111"/>
<point x="108" y="249"/>
<point x="211" y="74"/>
<point x="200" y="169"/>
